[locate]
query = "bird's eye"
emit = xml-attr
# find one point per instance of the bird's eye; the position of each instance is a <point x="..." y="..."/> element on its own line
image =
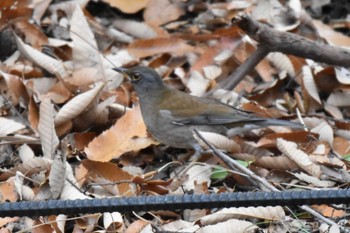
<point x="135" y="77"/>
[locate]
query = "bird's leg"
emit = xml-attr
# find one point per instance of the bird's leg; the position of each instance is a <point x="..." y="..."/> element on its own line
<point x="197" y="152"/>
<point x="194" y="158"/>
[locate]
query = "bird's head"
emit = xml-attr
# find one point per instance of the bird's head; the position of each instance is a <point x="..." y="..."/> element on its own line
<point x="144" y="79"/>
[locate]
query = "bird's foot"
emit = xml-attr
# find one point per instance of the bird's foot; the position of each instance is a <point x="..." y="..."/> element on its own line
<point x="197" y="153"/>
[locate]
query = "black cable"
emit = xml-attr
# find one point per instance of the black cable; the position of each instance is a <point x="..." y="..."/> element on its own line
<point x="174" y="202"/>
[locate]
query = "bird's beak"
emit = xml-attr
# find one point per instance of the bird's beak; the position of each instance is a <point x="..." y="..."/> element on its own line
<point x="123" y="71"/>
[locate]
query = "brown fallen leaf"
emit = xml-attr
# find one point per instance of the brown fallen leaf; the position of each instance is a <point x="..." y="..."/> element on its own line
<point x="261" y="111"/>
<point x="8" y="191"/>
<point x="341" y="146"/>
<point x="33" y="113"/>
<point x="159" y="12"/>
<point x="128" y="134"/>
<point x="145" y="48"/>
<point x="290" y="149"/>
<point x="7" y="220"/>
<point x="8" y="12"/>
<point x="32" y="32"/>
<point x="329" y="211"/>
<point x="136" y="226"/>
<point x="16" y="88"/>
<point x="128" y="6"/>
<point x="102" y="173"/>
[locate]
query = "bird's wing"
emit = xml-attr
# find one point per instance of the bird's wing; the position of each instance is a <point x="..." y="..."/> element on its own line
<point x="211" y="118"/>
<point x="197" y="111"/>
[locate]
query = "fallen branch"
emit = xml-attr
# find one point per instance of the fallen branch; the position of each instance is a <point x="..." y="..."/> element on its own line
<point x="272" y="40"/>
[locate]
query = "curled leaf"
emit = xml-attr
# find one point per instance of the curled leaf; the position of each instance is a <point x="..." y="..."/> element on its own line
<point x="300" y="157"/>
<point x="219" y="141"/>
<point x="48" y="137"/>
<point x="325" y="132"/>
<point x="78" y="104"/>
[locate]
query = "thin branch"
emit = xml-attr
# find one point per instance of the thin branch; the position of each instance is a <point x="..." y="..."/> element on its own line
<point x="242" y="70"/>
<point x="246" y="67"/>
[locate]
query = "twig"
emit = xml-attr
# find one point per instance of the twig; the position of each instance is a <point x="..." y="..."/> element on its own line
<point x="234" y="78"/>
<point x="246" y="67"/>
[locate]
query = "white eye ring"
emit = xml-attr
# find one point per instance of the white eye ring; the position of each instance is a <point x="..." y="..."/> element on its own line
<point x="135" y="77"/>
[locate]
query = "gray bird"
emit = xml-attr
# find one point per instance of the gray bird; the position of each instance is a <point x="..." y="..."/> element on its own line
<point x="171" y="115"/>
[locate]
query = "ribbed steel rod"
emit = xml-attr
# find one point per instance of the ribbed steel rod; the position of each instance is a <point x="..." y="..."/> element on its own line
<point x="174" y="202"/>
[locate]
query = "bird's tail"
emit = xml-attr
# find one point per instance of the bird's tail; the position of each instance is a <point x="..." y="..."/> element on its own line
<point x="257" y="123"/>
<point x="278" y="122"/>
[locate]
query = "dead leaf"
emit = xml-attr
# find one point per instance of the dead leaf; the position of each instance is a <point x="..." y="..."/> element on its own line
<point x="159" y="12"/>
<point x="59" y="93"/>
<point x="136" y="226"/>
<point x="219" y="141"/>
<point x="17" y="88"/>
<point x="5" y="221"/>
<point x="149" y="47"/>
<point x="33" y="114"/>
<point x="232" y="226"/>
<point x="314" y="180"/>
<point x="78" y="104"/>
<point x="197" y="83"/>
<point x="33" y="35"/>
<point x="282" y="62"/>
<point x="113" y="222"/>
<point x="85" y="50"/>
<point x="269" y="213"/>
<point x="178" y="225"/>
<point x="8" y="191"/>
<point x="297" y="137"/>
<point x="57" y="175"/>
<point x="279" y="16"/>
<point x="8" y="126"/>
<point x="81" y="140"/>
<point x="25" y="153"/>
<point x="301" y="158"/>
<point x="105" y="172"/>
<point x="333" y="37"/>
<point x="328" y="211"/>
<point x="46" y="127"/>
<point x="128" y="134"/>
<point x="341" y="145"/>
<point x="128" y="6"/>
<point x="58" y="222"/>
<point x="10" y="12"/>
<point x="261" y="111"/>
<point x="325" y="132"/>
<point x="310" y="84"/>
<point x="139" y="30"/>
<point x="69" y="190"/>
<point x="40" y="226"/>
<point x="197" y="175"/>
<point x="24" y="191"/>
<point x="50" y="64"/>
<point x="339" y="99"/>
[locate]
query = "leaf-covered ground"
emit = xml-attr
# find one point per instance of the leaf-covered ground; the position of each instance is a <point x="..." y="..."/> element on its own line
<point x="70" y="126"/>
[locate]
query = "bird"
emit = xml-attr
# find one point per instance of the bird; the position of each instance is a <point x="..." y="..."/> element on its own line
<point x="171" y="115"/>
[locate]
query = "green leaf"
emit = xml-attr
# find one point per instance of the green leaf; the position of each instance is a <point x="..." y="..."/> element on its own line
<point x="347" y="157"/>
<point x="244" y="163"/>
<point x="219" y="173"/>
